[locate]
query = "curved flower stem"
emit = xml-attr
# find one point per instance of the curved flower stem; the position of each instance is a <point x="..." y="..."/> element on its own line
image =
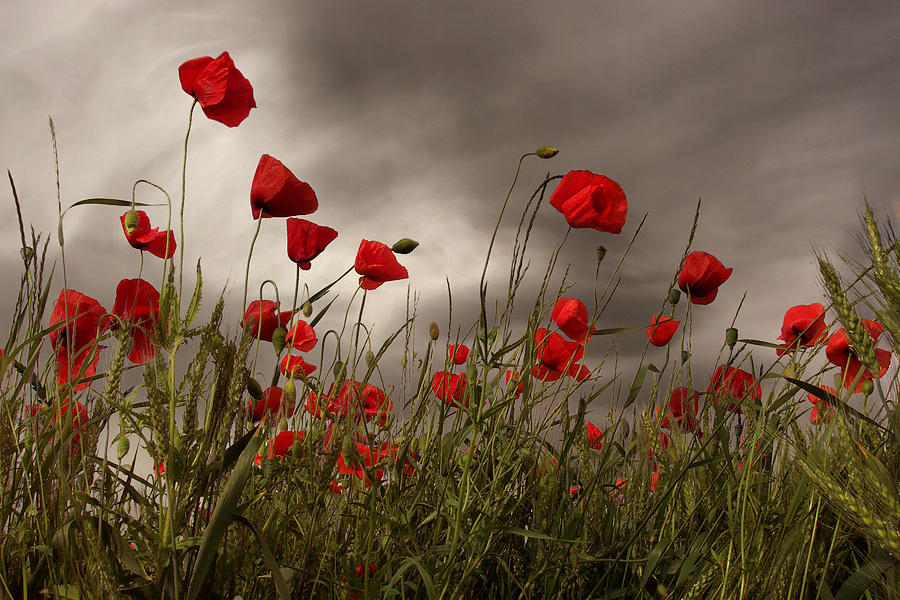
<point x="181" y="213"/>
<point x="169" y="222"/>
<point x="249" y="256"/>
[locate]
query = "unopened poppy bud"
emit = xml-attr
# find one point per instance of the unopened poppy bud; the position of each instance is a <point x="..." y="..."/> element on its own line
<point x="685" y="355"/>
<point x="731" y="335"/>
<point x="434" y="331"/>
<point x="131" y="221"/>
<point x="404" y="246"/>
<point x="338" y="370"/>
<point x="547" y="152"/>
<point x="674" y="296"/>
<point x="254" y="389"/>
<point x="868" y="387"/>
<point x="403" y="361"/>
<point x="27" y="254"/>
<point x="282" y="425"/>
<point x="289" y="392"/>
<point x="122" y="447"/>
<point x="788" y="372"/>
<point x="601" y="252"/>
<point x="307" y="309"/>
<point x="279" y="337"/>
<point x="370" y="358"/>
<point x="348" y="449"/>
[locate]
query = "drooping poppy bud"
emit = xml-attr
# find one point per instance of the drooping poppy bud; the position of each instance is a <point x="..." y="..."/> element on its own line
<point x="434" y="331"/>
<point x="404" y="246"/>
<point x="131" y="221"/>
<point x="289" y="392"/>
<point x="547" y="152"/>
<point x="601" y="254"/>
<point x="307" y="309"/>
<point x="122" y="447"/>
<point x="254" y="389"/>
<point x="674" y="296"/>
<point x="731" y="336"/>
<point x="279" y="337"/>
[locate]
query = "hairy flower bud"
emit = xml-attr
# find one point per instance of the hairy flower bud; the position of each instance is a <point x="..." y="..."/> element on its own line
<point x="547" y="152"/>
<point x="122" y="447"/>
<point x="370" y="358"/>
<point x="278" y="339"/>
<point x="601" y="253"/>
<point x="674" y="296"/>
<point x="131" y="221"/>
<point x="867" y="387"/>
<point x="254" y="389"/>
<point x="404" y="246"/>
<point x="307" y="308"/>
<point x="685" y="355"/>
<point x="434" y="331"/>
<point x="731" y="336"/>
<point x="338" y="370"/>
<point x="289" y="392"/>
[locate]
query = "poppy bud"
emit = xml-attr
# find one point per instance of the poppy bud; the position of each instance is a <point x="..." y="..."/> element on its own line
<point x="122" y="447"/>
<point x="338" y="370"/>
<point x="370" y="358"/>
<point x="434" y="331"/>
<point x="403" y="361"/>
<point x="601" y="252"/>
<point x="404" y="246"/>
<point x="685" y="355"/>
<point x="289" y="392"/>
<point x="131" y="221"/>
<point x="674" y="296"/>
<point x="307" y="309"/>
<point x="547" y="152"/>
<point x="731" y="335"/>
<point x="788" y="372"/>
<point x="27" y="254"/>
<point x="868" y="387"/>
<point x="348" y="449"/>
<point x="254" y="389"/>
<point x="282" y="425"/>
<point x="278" y="339"/>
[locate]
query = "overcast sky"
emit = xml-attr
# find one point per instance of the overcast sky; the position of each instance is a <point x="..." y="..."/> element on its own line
<point x="407" y="119"/>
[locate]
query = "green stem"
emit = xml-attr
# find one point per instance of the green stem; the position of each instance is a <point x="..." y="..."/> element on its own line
<point x="181" y="213"/>
<point x="249" y="256"/>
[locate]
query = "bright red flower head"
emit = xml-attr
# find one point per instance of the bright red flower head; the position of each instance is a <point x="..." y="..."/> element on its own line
<point x="75" y="342"/>
<point x="376" y="264"/>
<point x="137" y="305"/>
<point x="594" y="436"/>
<point x="222" y="91"/>
<point x="839" y="352"/>
<point x="662" y="329"/>
<point x="276" y="192"/>
<point x="292" y="366"/>
<point x="154" y="241"/>
<point x="263" y="319"/>
<point x="301" y="337"/>
<point x="281" y="446"/>
<point x="451" y="388"/>
<point x="736" y="384"/>
<point x="588" y="200"/>
<point x="684" y="404"/>
<point x="815" y="398"/>
<point x="306" y="240"/>
<point x="571" y="316"/>
<point x="352" y="398"/>
<point x="701" y="276"/>
<point x="557" y="357"/>
<point x="459" y="353"/>
<point x="803" y="326"/>
<point x="270" y="403"/>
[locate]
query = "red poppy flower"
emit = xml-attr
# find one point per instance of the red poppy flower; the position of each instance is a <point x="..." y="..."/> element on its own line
<point x="306" y="240"/>
<point x="618" y="493"/>
<point x="803" y="327"/>
<point x="684" y="404"/>
<point x="222" y="91"/>
<point x="389" y="450"/>
<point x="590" y="200"/>
<point x="352" y="398"/>
<point x="366" y="457"/>
<point x="291" y="366"/>
<point x="451" y="388"/>
<point x="156" y="242"/>
<point x="459" y="354"/>
<point x="515" y="376"/>
<point x="662" y="329"/>
<point x="594" y="436"/>
<point x="701" y="276"/>
<point x="839" y="352"/>
<point x="276" y="192"/>
<point x="75" y="342"/>
<point x="270" y="403"/>
<point x="654" y="478"/>
<point x="301" y="337"/>
<point x="137" y="305"/>
<point x="361" y="574"/>
<point x="281" y="445"/>
<point x="376" y="264"/>
<point x="571" y="316"/>
<point x="558" y="357"/>
<point x="263" y="319"/>
<point x="336" y="487"/>
<point x="736" y="384"/>
<point x="815" y="398"/>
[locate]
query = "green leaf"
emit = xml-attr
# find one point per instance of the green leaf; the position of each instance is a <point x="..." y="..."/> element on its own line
<point x="761" y="343"/>
<point x="280" y="584"/>
<point x="636" y="386"/>
<point x="864" y="578"/>
<point x="107" y="202"/>
<point x="195" y="299"/>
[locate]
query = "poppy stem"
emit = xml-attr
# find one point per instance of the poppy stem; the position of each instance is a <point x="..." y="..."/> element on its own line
<point x="249" y="256"/>
<point x="181" y="212"/>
